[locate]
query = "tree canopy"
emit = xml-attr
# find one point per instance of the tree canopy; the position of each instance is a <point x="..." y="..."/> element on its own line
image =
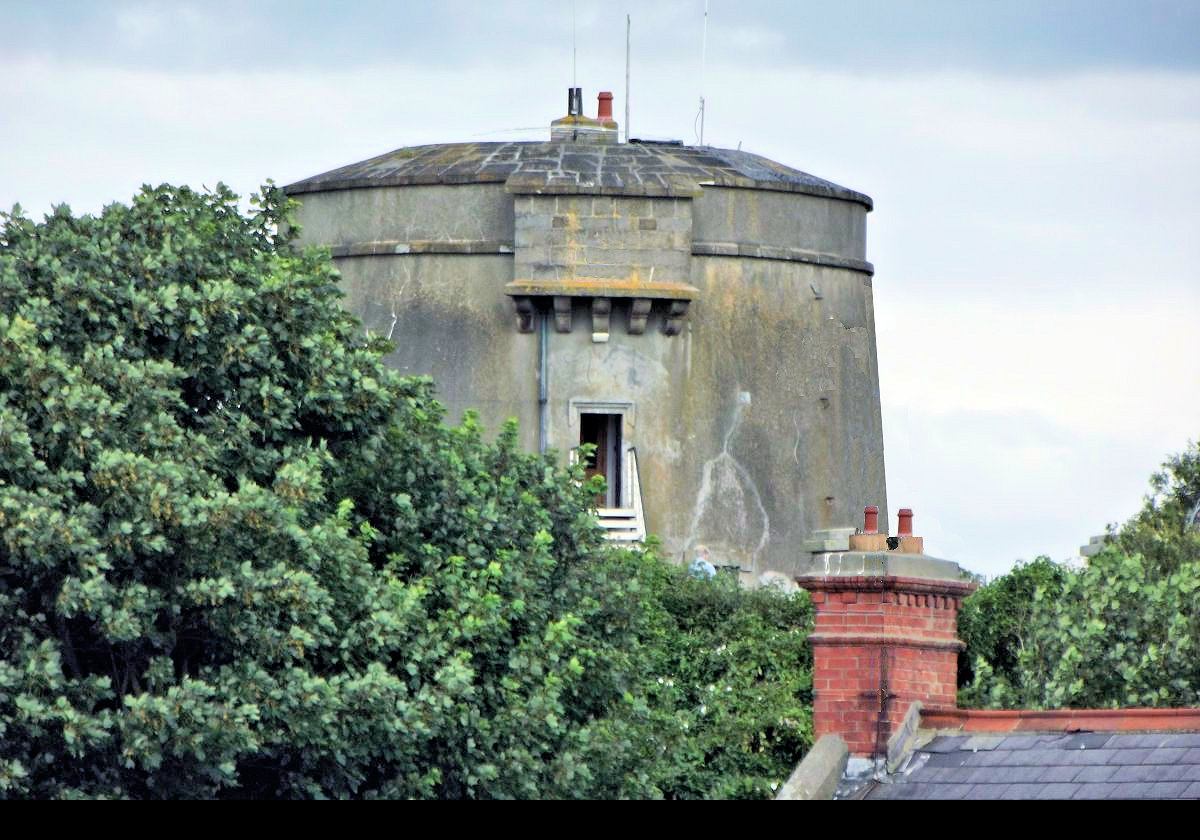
<point x="240" y="557"/>
<point x="1122" y="631"/>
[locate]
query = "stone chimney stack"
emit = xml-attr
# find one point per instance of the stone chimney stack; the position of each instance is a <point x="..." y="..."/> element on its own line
<point x="576" y="127"/>
<point x="885" y="633"/>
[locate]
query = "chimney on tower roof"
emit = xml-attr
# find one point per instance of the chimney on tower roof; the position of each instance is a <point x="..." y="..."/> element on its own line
<point x="577" y="128"/>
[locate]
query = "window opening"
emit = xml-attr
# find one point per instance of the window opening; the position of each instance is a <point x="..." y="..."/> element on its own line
<point x="604" y="432"/>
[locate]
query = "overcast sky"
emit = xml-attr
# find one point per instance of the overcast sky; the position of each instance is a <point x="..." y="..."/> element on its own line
<point x="1034" y="167"/>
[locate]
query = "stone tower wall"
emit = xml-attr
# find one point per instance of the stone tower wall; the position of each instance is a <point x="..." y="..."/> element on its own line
<point x="734" y="334"/>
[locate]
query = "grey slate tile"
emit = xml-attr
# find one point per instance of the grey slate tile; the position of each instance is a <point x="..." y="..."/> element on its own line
<point x="914" y="762"/>
<point x="1019" y="775"/>
<point x="987" y="758"/>
<point x="944" y="744"/>
<point x="1168" y="790"/>
<point x="1059" y="774"/>
<point x="1058" y="790"/>
<point x="983" y="742"/>
<point x="950" y="791"/>
<point x="986" y="792"/>
<point x="1040" y="757"/>
<point x="1167" y="773"/>
<point x="911" y="790"/>
<point x="1022" y="742"/>
<point x="1088" y="741"/>
<point x="1097" y="791"/>
<point x="979" y="775"/>
<point x="1097" y="773"/>
<point x="1134" y="790"/>
<point x="1086" y="757"/>
<point x="1021" y="792"/>
<point x="1182" y="739"/>
<point x="1130" y="774"/>
<point x="1150" y="740"/>
<point x="1013" y="758"/>
<point x="952" y="759"/>
<point x="885" y="791"/>
<point x="1132" y="756"/>
<point x="1082" y="765"/>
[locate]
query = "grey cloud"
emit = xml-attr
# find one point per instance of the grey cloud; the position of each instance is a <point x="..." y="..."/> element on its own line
<point x="1014" y="36"/>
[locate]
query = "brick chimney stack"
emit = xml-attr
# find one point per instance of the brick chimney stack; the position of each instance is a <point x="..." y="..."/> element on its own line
<point x="886" y="633"/>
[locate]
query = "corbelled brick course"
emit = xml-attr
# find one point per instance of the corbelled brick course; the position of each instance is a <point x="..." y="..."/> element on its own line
<point x="885" y="635"/>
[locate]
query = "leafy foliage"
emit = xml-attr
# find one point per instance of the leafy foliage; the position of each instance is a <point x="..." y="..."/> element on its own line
<point x="1124" y="631"/>
<point x="241" y="558"/>
<point x="996" y="619"/>
<point x="1166" y="531"/>
<point x="732" y="695"/>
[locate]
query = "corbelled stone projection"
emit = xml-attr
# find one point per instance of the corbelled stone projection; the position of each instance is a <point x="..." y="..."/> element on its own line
<point x="702" y="316"/>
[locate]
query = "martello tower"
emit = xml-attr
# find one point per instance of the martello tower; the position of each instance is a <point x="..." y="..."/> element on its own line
<point x="703" y="316"/>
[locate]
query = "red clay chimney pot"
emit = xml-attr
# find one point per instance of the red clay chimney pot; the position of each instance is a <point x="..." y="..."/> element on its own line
<point x="905" y="524"/>
<point x="604" y="105"/>
<point x="871" y="520"/>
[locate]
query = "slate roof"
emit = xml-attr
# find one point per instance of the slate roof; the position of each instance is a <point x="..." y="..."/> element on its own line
<point x="656" y="166"/>
<point x="1083" y="765"/>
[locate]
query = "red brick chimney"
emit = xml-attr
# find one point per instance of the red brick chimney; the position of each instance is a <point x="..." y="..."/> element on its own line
<point x="885" y="635"/>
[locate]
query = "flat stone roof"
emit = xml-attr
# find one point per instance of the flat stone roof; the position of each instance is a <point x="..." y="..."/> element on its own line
<point x="640" y="168"/>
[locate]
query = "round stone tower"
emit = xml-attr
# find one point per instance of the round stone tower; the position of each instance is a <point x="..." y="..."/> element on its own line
<point x="702" y="316"/>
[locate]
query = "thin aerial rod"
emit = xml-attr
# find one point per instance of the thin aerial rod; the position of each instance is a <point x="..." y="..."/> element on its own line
<point x="703" y="65"/>
<point x="574" y="79"/>
<point x="627" y="77"/>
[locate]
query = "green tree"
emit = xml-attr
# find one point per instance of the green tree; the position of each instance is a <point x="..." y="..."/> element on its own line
<point x="730" y="688"/>
<point x="241" y="558"/>
<point x="1166" y="531"/>
<point x="995" y="620"/>
<point x="1123" y="631"/>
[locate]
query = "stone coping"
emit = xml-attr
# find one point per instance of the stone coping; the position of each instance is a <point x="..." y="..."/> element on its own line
<point x="817" y="775"/>
<point x="602" y="287"/>
<point x="883" y="570"/>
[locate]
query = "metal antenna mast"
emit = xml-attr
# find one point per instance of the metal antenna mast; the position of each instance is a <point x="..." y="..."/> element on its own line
<point x="703" y="64"/>
<point x="626" y="77"/>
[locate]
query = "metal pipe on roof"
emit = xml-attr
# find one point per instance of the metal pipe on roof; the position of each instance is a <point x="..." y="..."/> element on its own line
<point x="543" y="384"/>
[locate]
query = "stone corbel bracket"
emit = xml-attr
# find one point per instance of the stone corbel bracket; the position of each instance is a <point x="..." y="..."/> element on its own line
<point x="674" y="311"/>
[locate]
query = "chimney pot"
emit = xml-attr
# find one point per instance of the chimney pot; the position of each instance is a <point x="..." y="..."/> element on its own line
<point x="871" y="520"/>
<point x="604" y="106"/>
<point x="904" y="528"/>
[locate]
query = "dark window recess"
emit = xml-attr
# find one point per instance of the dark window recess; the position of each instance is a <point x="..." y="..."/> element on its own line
<point x="604" y="432"/>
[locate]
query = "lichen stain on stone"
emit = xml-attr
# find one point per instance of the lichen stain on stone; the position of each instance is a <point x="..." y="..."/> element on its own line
<point x="727" y="505"/>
